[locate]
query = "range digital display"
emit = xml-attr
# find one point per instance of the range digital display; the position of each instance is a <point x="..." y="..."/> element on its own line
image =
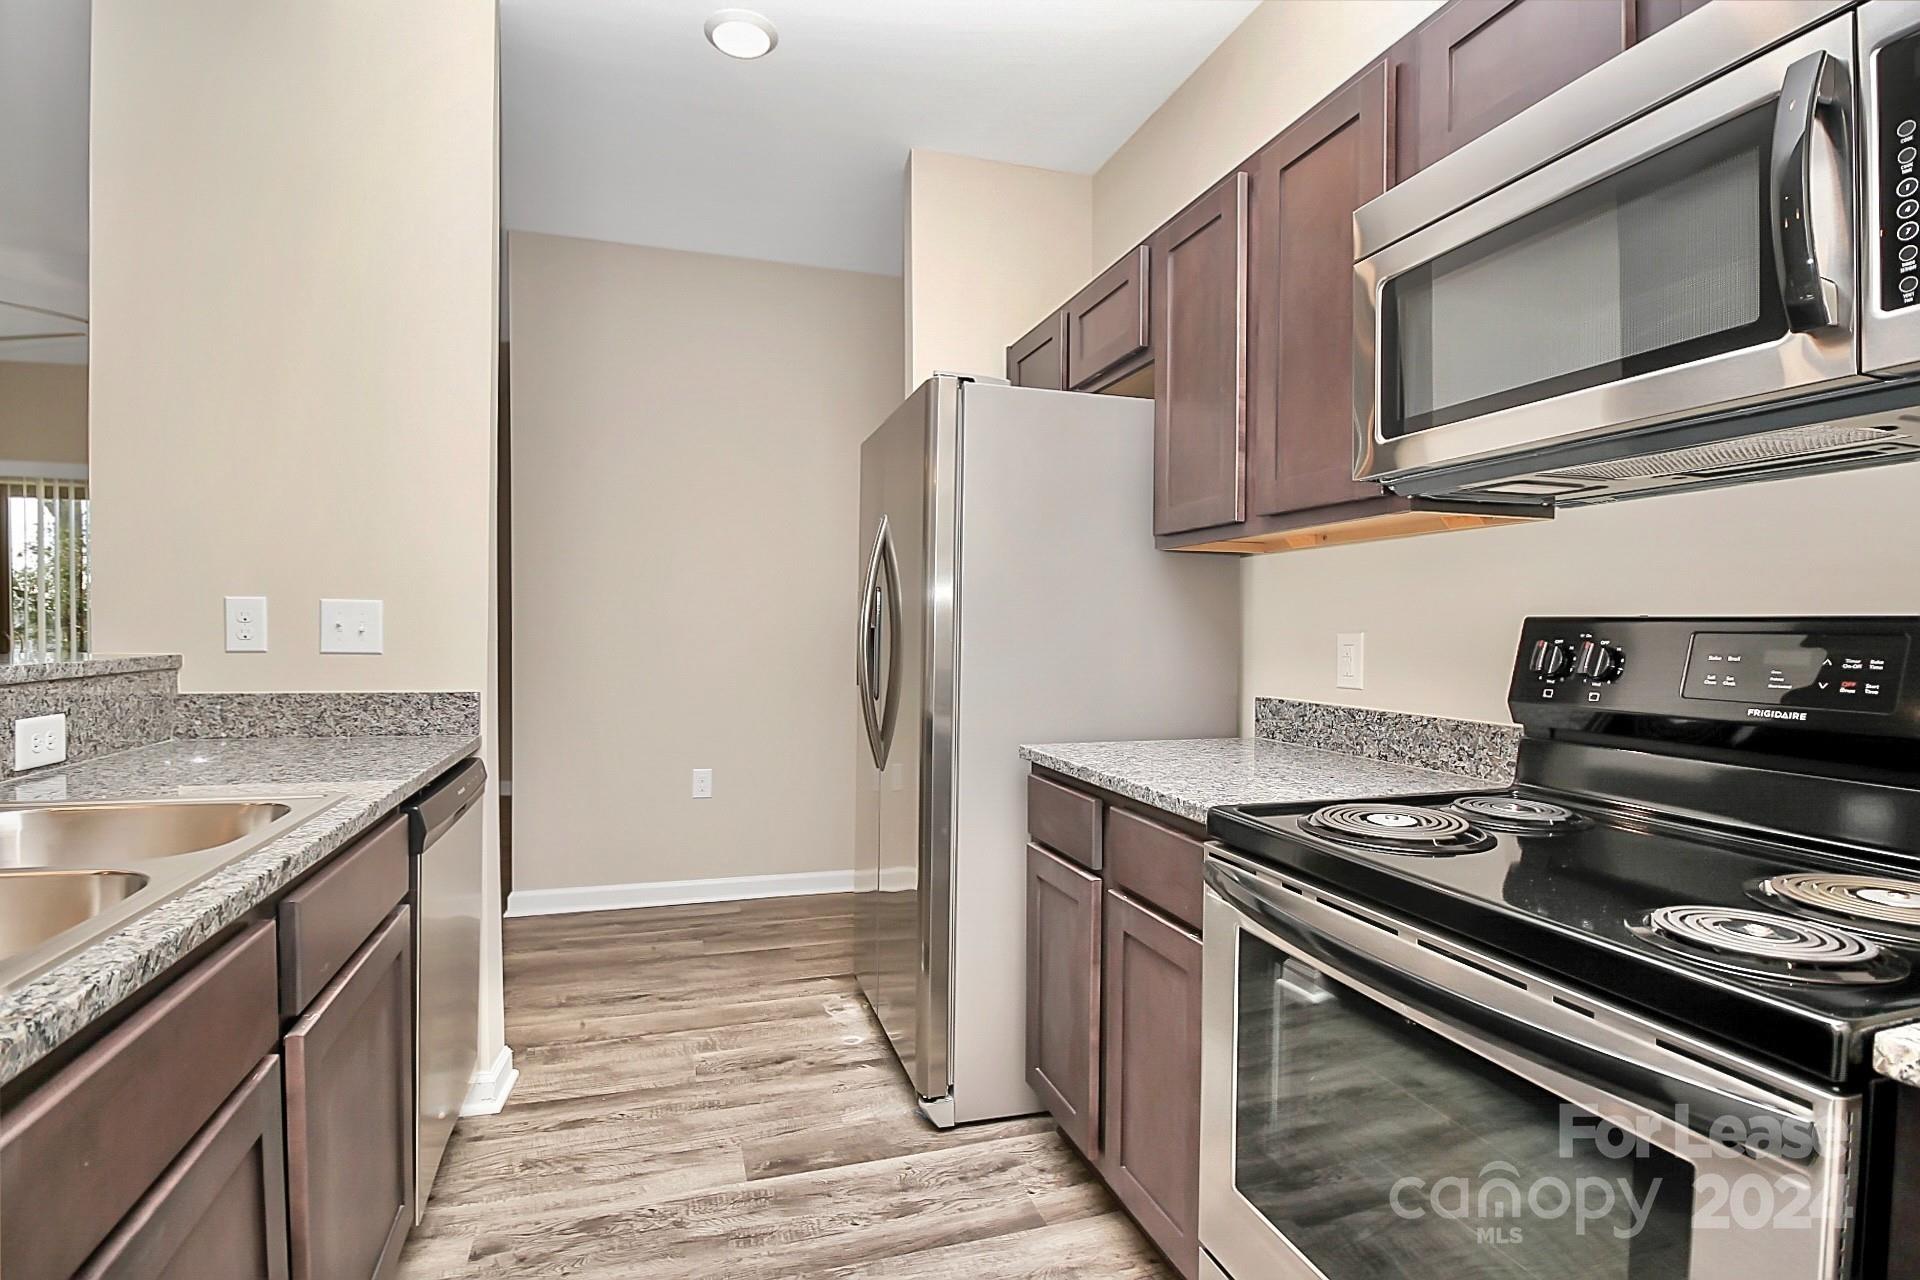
<point x="1820" y="672"/>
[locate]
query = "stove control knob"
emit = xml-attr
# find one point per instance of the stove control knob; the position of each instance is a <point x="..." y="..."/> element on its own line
<point x="1600" y="663"/>
<point x="1551" y="659"/>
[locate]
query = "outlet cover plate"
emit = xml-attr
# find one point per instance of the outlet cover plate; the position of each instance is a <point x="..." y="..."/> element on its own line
<point x="38" y="741"/>
<point x="1350" y="660"/>
<point x="352" y="626"/>
<point x="246" y="624"/>
<point x="703" y="784"/>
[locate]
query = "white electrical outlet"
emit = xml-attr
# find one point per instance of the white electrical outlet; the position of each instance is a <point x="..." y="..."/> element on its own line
<point x="246" y="624"/>
<point x="1350" y="660"/>
<point x="352" y="626"/>
<point x="703" y="784"/>
<point x="39" y="740"/>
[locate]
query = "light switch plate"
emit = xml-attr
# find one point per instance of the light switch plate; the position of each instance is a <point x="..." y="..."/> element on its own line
<point x="246" y="624"/>
<point x="352" y="626"/>
<point x="1350" y="660"/>
<point x="39" y="740"/>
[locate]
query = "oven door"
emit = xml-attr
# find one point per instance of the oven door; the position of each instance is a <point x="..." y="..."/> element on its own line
<point x="1380" y="1101"/>
<point x="1697" y="258"/>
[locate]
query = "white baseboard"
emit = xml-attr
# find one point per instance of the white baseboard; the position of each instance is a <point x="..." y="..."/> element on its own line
<point x="673" y="893"/>
<point x="487" y="1090"/>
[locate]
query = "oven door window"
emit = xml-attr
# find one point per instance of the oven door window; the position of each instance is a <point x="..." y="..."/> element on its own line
<point x="1663" y="263"/>
<point x="1377" y="1148"/>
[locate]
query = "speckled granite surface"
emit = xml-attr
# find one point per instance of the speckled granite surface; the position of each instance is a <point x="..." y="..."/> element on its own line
<point x="28" y="670"/>
<point x="1896" y="1054"/>
<point x="1189" y="776"/>
<point x="371" y="776"/>
<point x="111" y="704"/>
<point x="323" y="715"/>
<point x="1429" y="742"/>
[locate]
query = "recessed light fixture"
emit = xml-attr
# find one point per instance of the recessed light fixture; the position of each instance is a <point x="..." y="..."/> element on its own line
<point x="741" y="33"/>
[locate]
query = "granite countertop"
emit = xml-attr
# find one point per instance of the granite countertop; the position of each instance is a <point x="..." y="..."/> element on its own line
<point x="29" y="670"/>
<point x="1191" y="775"/>
<point x="371" y="776"/>
<point x="1896" y="1054"/>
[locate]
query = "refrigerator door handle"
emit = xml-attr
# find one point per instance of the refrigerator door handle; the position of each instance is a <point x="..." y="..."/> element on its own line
<point x="867" y="659"/>
<point x="890" y="590"/>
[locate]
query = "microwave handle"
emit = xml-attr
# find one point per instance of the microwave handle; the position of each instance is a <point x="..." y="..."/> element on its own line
<point x="1812" y="83"/>
<point x="1654" y="1090"/>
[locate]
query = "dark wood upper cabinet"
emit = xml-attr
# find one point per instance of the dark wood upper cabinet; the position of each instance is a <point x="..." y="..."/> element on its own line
<point x="1108" y="322"/>
<point x="220" y="1211"/>
<point x="1063" y="994"/>
<point x="1650" y="16"/>
<point x="1476" y="63"/>
<point x="349" y="1063"/>
<point x="1151" y="1156"/>
<point x="1040" y="358"/>
<point x="1198" y="293"/>
<point x="1306" y="184"/>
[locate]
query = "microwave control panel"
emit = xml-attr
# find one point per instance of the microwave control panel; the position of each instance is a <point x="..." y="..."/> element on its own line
<point x="1898" y="151"/>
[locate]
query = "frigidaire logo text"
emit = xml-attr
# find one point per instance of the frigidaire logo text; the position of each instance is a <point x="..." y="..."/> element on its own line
<point x="1774" y="713"/>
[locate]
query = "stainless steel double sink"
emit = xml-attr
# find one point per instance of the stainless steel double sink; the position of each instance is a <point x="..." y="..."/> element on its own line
<point x="71" y="873"/>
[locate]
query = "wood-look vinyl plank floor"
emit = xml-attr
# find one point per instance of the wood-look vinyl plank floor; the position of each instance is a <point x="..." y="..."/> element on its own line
<point x="704" y="1095"/>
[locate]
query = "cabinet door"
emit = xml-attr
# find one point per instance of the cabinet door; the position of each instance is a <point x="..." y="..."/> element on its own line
<point x="1063" y="994"/>
<point x="220" y="1211"/>
<point x="1152" y="1153"/>
<point x="1478" y="62"/>
<point x="1108" y="323"/>
<point x="1306" y="185"/>
<point x="1198" y="293"/>
<point x="350" y="1115"/>
<point x="1040" y="358"/>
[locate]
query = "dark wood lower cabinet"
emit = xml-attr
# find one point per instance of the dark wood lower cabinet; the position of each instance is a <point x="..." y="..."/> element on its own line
<point x="350" y="1115"/>
<point x="1151" y="1156"/>
<point x="220" y="1211"/>
<point x="1063" y="994"/>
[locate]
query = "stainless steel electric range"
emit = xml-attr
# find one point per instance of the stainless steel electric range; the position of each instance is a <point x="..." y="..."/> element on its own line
<point x="1612" y="1024"/>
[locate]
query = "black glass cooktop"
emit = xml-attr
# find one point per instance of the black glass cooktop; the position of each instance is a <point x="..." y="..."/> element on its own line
<point x="1578" y="898"/>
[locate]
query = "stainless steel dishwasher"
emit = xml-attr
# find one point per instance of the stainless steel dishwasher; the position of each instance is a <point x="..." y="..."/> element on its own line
<point x="444" y="825"/>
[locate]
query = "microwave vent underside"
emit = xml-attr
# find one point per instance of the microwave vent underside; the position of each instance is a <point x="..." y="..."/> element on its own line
<point x="1756" y="451"/>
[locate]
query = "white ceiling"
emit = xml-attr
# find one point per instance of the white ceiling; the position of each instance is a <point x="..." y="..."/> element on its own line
<point x="43" y="177"/>
<point x="621" y="123"/>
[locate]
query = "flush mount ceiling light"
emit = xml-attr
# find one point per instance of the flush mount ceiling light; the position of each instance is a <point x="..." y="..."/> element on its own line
<point x="741" y="33"/>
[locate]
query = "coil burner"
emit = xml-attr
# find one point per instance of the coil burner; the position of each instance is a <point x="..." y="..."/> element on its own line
<point x="1515" y="813"/>
<point x="1765" y="944"/>
<point x="1397" y="828"/>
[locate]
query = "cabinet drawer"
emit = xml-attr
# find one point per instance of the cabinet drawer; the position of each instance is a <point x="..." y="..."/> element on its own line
<point x="1156" y="864"/>
<point x="82" y="1149"/>
<point x="323" y="922"/>
<point x="1064" y="820"/>
<point x="1107" y="322"/>
<point x="220" y="1213"/>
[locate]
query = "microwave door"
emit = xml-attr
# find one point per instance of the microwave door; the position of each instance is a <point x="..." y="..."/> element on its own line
<point x="1695" y="259"/>
<point x="1890" y="265"/>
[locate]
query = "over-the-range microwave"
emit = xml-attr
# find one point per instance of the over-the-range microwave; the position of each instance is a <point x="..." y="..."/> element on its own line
<point x="1698" y="264"/>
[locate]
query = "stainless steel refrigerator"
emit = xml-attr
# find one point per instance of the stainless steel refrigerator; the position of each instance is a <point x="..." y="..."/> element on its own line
<point x="1008" y="592"/>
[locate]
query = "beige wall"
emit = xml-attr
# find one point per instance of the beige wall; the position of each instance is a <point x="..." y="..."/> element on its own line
<point x="1280" y="61"/>
<point x="43" y="412"/>
<point x="1442" y="613"/>
<point x="685" y="457"/>
<point x="991" y="248"/>
<point x="292" y="337"/>
<point x="293" y="255"/>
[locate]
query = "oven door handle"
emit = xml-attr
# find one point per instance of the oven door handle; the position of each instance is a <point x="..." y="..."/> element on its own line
<point x="1813" y="85"/>
<point x="1694" y="1103"/>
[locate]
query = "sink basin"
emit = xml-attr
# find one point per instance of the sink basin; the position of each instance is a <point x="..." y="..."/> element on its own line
<point x="38" y="905"/>
<point x="113" y="835"/>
